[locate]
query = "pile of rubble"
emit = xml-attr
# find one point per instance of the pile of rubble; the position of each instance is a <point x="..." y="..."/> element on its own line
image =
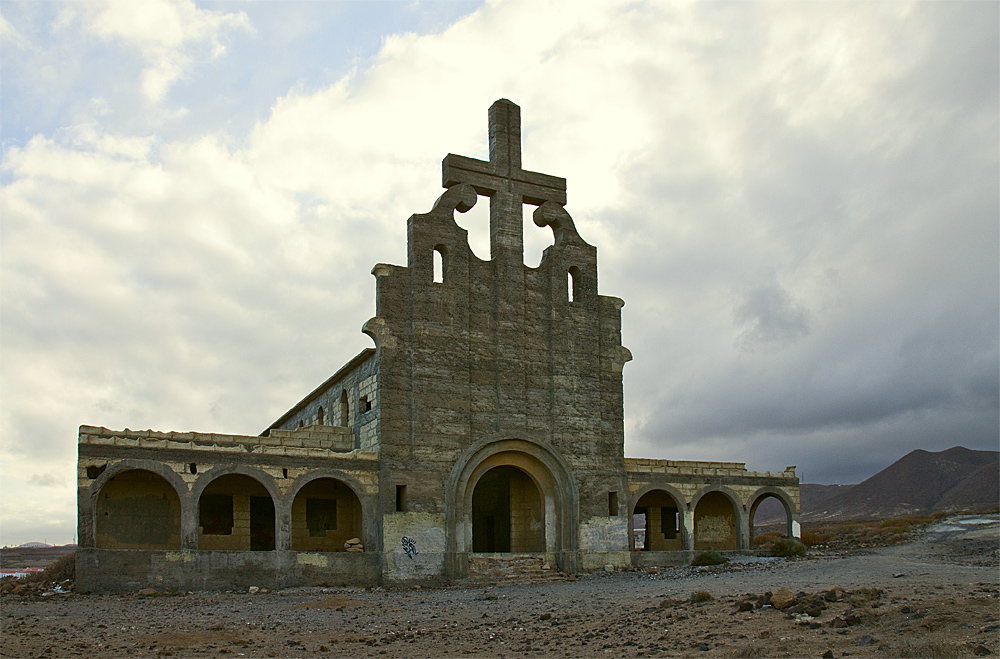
<point x="805" y="608"/>
<point x="21" y="587"/>
<point x="354" y="544"/>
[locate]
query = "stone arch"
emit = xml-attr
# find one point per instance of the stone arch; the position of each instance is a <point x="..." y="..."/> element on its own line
<point x="238" y="510"/>
<point x="547" y="470"/>
<point x="137" y="508"/>
<point x="366" y="528"/>
<point x="675" y="543"/>
<point x="712" y="526"/>
<point x="759" y="496"/>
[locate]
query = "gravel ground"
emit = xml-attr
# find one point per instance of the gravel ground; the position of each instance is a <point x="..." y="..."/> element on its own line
<point x="934" y="597"/>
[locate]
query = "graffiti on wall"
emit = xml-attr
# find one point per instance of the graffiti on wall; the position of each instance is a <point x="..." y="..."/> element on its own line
<point x="409" y="546"/>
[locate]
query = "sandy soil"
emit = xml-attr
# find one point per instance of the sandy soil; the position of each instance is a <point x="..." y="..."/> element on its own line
<point x="934" y="597"/>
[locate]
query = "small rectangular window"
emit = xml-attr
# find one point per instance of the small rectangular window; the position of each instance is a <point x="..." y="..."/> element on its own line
<point x="400" y="498"/>
<point x="612" y="504"/>
<point x="668" y="522"/>
<point x="321" y="516"/>
<point x="365" y="404"/>
<point x="215" y="514"/>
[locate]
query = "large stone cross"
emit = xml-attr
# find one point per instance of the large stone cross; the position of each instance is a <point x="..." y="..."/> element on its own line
<point x="503" y="181"/>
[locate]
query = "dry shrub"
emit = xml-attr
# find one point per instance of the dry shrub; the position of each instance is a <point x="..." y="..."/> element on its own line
<point x="811" y="539"/>
<point x="788" y="547"/>
<point x="896" y="525"/>
<point x="61" y="569"/>
<point x="709" y="558"/>
<point x="751" y="652"/>
<point x="765" y="540"/>
<point x="701" y="596"/>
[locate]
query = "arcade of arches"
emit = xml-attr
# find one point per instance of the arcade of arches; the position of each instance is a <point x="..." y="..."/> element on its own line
<point x="140" y="509"/>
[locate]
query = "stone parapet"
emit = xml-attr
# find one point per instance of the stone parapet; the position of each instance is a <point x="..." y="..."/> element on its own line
<point x="313" y="441"/>
<point x="697" y="468"/>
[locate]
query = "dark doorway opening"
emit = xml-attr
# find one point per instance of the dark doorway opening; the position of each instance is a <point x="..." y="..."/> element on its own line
<point x="261" y="524"/>
<point x="507" y="513"/>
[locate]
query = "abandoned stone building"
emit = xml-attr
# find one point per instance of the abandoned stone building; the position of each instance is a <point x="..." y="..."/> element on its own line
<point x="481" y="437"/>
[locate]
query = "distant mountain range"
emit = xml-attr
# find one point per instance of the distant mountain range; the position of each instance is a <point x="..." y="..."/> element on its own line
<point x="919" y="483"/>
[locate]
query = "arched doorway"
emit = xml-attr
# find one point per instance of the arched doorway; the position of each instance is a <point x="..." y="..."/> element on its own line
<point x="773" y="510"/>
<point x="138" y="509"/>
<point x="657" y="522"/>
<point x="716" y="523"/>
<point x="326" y="513"/>
<point x="236" y="513"/>
<point x="507" y="512"/>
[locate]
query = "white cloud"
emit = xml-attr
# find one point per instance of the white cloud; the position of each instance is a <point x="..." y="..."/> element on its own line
<point x="168" y="34"/>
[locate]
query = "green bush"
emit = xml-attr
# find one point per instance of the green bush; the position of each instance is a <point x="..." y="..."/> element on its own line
<point x="709" y="558"/>
<point x="788" y="547"/>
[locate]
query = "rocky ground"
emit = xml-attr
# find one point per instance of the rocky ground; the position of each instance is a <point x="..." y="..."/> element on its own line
<point x="936" y="596"/>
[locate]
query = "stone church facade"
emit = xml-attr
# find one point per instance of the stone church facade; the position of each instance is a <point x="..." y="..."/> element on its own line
<point x="481" y="438"/>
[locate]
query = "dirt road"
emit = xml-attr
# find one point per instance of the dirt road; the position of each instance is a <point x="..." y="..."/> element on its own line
<point x="934" y="597"/>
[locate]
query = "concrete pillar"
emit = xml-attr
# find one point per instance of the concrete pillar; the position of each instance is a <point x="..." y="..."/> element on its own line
<point x="189" y="520"/>
<point x="283" y="524"/>
<point x="743" y="527"/>
<point x="687" y="529"/>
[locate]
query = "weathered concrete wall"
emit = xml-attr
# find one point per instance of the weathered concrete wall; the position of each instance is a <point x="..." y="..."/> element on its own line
<point x="415" y="545"/>
<point x="116" y="570"/>
<point x="348" y="399"/>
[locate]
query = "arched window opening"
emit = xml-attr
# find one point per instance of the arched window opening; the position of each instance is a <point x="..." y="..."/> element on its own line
<point x="138" y="509"/>
<point x="319" y="416"/>
<point x="326" y="516"/>
<point x="657" y="523"/>
<point x="302" y="424"/>
<point x="236" y="513"/>
<point x="769" y="519"/>
<point x="440" y="264"/>
<point x="507" y="512"/>
<point x="715" y="523"/>
<point x="345" y="409"/>
<point x="573" y="284"/>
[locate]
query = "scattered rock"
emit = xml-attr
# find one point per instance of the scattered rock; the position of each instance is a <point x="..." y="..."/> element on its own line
<point x="865" y="640"/>
<point x="981" y="651"/>
<point x="609" y="568"/>
<point x="545" y="616"/>
<point x="838" y="623"/>
<point x="745" y="606"/>
<point x="253" y="590"/>
<point x="782" y="598"/>
<point x="146" y="592"/>
<point x="852" y="619"/>
<point x="827" y="655"/>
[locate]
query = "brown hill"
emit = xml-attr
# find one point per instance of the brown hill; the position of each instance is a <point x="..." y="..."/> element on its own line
<point x="919" y="483"/>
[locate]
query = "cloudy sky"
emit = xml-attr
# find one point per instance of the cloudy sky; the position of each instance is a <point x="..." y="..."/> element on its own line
<point x="797" y="201"/>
